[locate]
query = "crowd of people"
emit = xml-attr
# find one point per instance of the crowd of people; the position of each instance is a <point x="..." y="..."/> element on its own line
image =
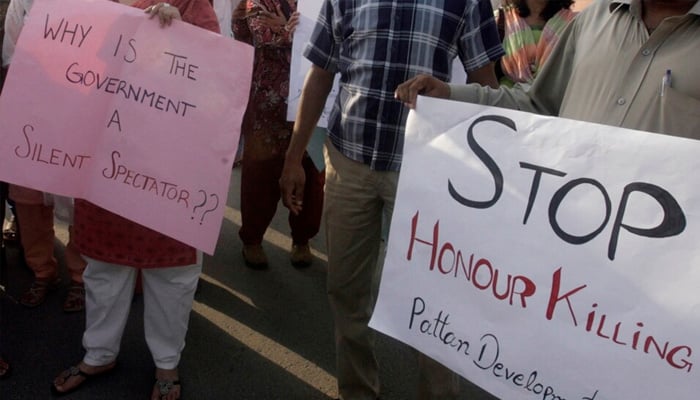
<point x="600" y="65"/>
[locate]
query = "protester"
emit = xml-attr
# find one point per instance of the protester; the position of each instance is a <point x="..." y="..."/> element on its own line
<point x="374" y="46"/>
<point x="116" y="249"/>
<point x="35" y="210"/>
<point x="529" y="31"/>
<point x="269" y="25"/>
<point x="626" y="63"/>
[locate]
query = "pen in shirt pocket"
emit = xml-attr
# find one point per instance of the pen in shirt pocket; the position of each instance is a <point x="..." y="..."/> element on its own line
<point x="665" y="82"/>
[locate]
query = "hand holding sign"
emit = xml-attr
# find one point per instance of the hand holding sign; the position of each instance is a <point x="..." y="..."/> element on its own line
<point x="165" y="13"/>
<point x="424" y="85"/>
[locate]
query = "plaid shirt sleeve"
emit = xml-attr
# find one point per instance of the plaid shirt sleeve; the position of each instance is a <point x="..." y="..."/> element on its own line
<point x="480" y="44"/>
<point x="322" y="49"/>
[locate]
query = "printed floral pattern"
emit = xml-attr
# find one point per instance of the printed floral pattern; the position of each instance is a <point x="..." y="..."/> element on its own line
<point x="265" y="127"/>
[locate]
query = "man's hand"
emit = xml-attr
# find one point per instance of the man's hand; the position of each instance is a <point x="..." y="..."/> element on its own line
<point x="317" y="85"/>
<point x="424" y="85"/>
<point x="292" y="183"/>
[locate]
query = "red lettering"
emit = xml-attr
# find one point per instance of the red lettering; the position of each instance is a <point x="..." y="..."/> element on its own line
<point x="555" y="298"/>
<point x="414" y="223"/>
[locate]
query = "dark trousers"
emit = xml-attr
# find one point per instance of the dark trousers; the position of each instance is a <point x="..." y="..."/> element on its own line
<point x="260" y="195"/>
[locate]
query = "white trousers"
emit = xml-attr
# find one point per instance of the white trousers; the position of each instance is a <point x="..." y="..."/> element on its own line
<point x="167" y="295"/>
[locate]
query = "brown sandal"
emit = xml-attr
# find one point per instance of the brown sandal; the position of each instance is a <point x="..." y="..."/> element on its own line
<point x="36" y="294"/>
<point x="75" y="299"/>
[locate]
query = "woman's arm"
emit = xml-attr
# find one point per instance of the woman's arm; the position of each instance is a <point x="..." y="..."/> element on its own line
<point x="270" y="28"/>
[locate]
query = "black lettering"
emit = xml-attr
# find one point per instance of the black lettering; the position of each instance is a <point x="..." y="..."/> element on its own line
<point x="488" y="162"/>
<point x="672" y="224"/>
<point x="556" y="201"/>
<point x="115" y="156"/>
<point x="536" y="184"/>
<point x="416" y="301"/>
<point x="26" y="138"/>
<point x="115" y="120"/>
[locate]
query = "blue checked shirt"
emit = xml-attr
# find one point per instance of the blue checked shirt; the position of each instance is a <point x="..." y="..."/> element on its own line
<point x="377" y="44"/>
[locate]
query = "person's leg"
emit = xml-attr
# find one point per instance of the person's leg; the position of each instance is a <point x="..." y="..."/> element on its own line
<point x="168" y="295"/>
<point x="37" y="239"/>
<point x="259" y="198"/>
<point x="37" y="235"/>
<point x="353" y="224"/>
<point x="75" y="299"/>
<point x="75" y="263"/>
<point x="306" y="225"/>
<point x="109" y="289"/>
<point x="435" y="381"/>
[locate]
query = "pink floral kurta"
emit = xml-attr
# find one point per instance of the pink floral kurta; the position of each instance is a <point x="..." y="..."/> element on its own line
<point x="265" y="127"/>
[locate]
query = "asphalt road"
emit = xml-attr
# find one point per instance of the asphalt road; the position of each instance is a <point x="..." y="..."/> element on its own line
<point x="252" y="335"/>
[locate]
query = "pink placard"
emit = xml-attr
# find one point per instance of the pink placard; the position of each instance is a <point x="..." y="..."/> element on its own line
<point x="102" y="103"/>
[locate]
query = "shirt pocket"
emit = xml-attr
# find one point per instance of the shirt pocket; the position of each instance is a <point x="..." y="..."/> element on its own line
<point x="680" y="114"/>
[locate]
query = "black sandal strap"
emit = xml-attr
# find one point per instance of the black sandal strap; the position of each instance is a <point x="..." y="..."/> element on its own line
<point x="165" y="386"/>
<point x="75" y="371"/>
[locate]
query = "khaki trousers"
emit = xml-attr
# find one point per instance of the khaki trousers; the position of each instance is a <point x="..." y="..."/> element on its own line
<point x="356" y="197"/>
